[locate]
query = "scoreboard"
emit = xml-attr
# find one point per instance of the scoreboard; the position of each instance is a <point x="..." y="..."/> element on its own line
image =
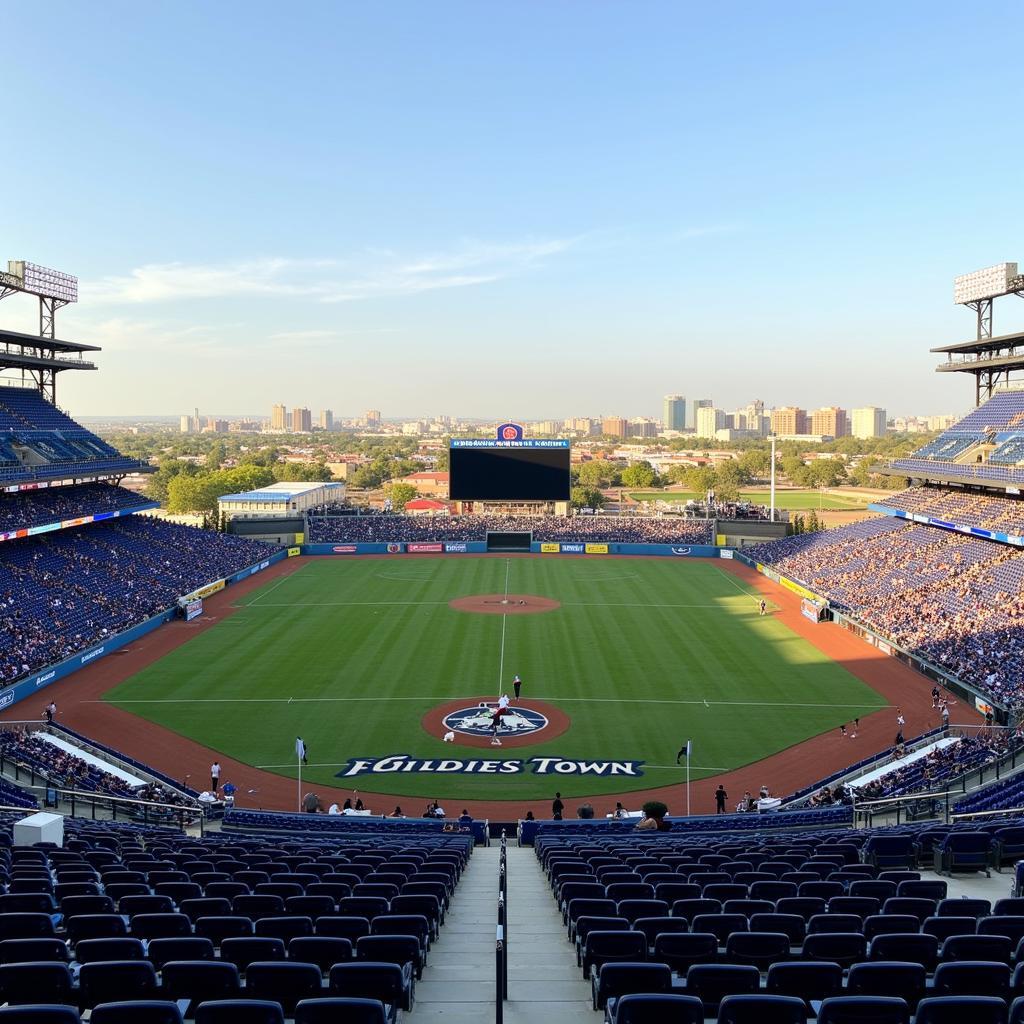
<point x="508" y="469"/>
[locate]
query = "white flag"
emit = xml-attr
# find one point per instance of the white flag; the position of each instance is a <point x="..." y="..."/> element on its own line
<point x="300" y="749"/>
<point x="689" y="749"/>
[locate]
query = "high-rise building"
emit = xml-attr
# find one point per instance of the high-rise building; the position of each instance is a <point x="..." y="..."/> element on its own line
<point x="615" y="426"/>
<point x="326" y="419"/>
<point x="642" y="426"/>
<point x="279" y="418"/>
<point x="788" y="420"/>
<point x="547" y="427"/>
<point x="582" y="425"/>
<point x="709" y="420"/>
<point x="868" y="422"/>
<point x="186" y="425"/>
<point x="218" y="426"/>
<point x="302" y="420"/>
<point x="673" y="415"/>
<point x="830" y="421"/>
<point x="700" y="403"/>
<point x="372" y="418"/>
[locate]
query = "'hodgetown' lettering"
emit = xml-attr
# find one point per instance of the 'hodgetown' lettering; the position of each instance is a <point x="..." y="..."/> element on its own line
<point x="404" y="764"/>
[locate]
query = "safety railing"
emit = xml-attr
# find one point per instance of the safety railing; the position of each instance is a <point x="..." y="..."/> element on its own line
<point x="501" y="936"/>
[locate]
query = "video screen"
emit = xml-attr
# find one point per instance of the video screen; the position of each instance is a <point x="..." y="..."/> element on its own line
<point x="509" y="474"/>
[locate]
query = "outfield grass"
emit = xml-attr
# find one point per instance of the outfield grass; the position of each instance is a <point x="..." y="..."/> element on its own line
<point x="350" y="654"/>
<point x="795" y="500"/>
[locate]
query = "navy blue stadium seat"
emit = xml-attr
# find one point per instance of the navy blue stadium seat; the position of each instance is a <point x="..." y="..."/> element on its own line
<point x="26" y="982"/>
<point x="323" y="950"/>
<point x="888" y="978"/>
<point x="136" y="1011"/>
<point x="619" y="979"/>
<point x="189" y="947"/>
<point x="198" y="981"/>
<point x="792" y="925"/>
<point x="864" y="1010"/>
<point x="108" y="981"/>
<point x="943" y="927"/>
<point x="711" y="983"/>
<point x="761" y="949"/>
<point x="762" y="1009"/>
<point x="972" y="978"/>
<point x="13" y="951"/>
<point x="963" y="907"/>
<point x="39" y="1013"/>
<point x="681" y="950"/>
<point x="26" y="926"/>
<point x="649" y="1008"/>
<point x="283" y="982"/>
<point x="239" y="1011"/>
<point x="342" y="927"/>
<point x="908" y="946"/>
<point x="216" y="929"/>
<point x="958" y="1009"/>
<point x="810" y="982"/>
<point x="120" y="947"/>
<point x="331" y="1010"/>
<point x="602" y="947"/>
<point x="839" y="947"/>
<point x="391" y="983"/>
<point x="976" y="947"/>
<point x="396" y="949"/>
<point x="244" y="950"/>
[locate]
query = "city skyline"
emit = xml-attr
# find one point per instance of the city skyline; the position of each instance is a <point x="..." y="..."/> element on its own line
<point x="439" y="215"/>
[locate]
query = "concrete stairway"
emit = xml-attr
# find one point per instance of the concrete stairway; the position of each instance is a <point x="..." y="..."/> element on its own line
<point x="544" y="984"/>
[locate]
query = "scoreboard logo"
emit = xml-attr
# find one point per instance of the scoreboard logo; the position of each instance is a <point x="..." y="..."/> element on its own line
<point x="510" y="432"/>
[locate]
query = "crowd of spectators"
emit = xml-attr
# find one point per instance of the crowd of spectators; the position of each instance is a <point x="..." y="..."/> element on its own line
<point x="62" y="592"/>
<point x="63" y="770"/>
<point x="939" y="766"/>
<point x="56" y="504"/>
<point x="950" y="599"/>
<point x="396" y="528"/>
<point x="963" y="508"/>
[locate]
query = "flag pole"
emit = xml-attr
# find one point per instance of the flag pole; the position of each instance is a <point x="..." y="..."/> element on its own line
<point x="300" y="783"/>
<point x="687" y="779"/>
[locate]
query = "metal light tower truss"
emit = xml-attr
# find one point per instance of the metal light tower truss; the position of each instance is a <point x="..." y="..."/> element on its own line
<point x="41" y="356"/>
<point x="990" y="359"/>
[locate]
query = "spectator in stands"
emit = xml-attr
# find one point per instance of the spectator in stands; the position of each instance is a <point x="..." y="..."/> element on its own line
<point x="334" y="809"/>
<point x="720" y="797"/>
<point x="585" y="811"/>
<point x="557" y="807"/>
<point x="396" y="813"/>
<point x="654" y="817"/>
<point x="465" y="818"/>
<point x="311" y="803"/>
<point x="620" y="811"/>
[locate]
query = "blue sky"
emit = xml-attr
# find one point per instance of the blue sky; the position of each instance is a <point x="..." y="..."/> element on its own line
<point x="525" y="210"/>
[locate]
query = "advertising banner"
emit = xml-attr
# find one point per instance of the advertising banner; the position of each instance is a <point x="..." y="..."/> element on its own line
<point x="571" y="549"/>
<point x="726" y="552"/>
<point x="548" y="548"/>
<point x="797" y="589"/>
<point x="424" y="549"/>
<point x="456" y="547"/>
<point x="394" y="549"/>
<point x="720" y="539"/>
<point x="206" y="591"/>
<point x="344" y="549"/>
<point x="193" y="609"/>
<point x="292" y="552"/>
<point x="596" y="549"/>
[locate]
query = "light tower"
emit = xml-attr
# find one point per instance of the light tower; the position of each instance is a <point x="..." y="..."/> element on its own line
<point x="52" y="287"/>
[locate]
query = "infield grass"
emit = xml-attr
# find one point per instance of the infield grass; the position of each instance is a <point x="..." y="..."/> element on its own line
<point x="642" y="654"/>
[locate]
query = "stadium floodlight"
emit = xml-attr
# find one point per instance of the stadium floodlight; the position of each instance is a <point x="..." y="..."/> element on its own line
<point x="1002" y="279"/>
<point x="44" y="282"/>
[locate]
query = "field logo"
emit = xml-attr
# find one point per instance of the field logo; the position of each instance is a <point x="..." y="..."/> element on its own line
<point x="510" y="432"/>
<point x="476" y="721"/>
<point x="680" y="551"/>
<point x="394" y="549"/>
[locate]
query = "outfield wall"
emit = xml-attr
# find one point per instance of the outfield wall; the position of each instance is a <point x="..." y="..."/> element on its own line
<point x="479" y="547"/>
<point x="38" y="680"/>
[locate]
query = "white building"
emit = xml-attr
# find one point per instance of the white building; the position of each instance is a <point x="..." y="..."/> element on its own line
<point x="868" y="422"/>
<point x="709" y="421"/>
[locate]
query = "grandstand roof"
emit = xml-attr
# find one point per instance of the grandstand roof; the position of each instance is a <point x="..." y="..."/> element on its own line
<point x="286" y="491"/>
<point x="34" y="341"/>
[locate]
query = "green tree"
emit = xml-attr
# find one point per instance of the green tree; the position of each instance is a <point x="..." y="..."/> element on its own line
<point x="825" y="473"/>
<point x="639" y="474"/>
<point x="700" y="479"/>
<point x="312" y="471"/>
<point x="366" y="477"/>
<point x="596" y="473"/>
<point x="677" y="474"/>
<point x="400" y="494"/>
<point x="586" y="497"/>
<point x="754" y="462"/>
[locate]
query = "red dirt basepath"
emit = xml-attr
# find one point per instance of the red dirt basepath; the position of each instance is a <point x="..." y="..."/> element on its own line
<point x="79" y="707"/>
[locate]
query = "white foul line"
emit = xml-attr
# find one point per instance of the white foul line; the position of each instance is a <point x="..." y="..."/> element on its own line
<point x="283" y="579"/>
<point x="504" y="620"/>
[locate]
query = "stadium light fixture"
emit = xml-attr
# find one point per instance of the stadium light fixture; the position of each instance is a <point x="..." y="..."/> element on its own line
<point x="43" y="281"/>
<point x="1002" y="279"/>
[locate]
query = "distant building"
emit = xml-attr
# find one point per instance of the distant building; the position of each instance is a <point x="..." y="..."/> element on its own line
<point x="427" y="507"/>
<point x="547" y="427"/>
<point x="583" y="425"/>
<point x="428" y="483"/>
<point x="186" y="425"/>
<point x="615" y="426"/>
<point x="673" y="414"/>
<point x="830" y="421"/>
<point x="789" y="421"/>
<point x="700" y="403"/>
<point x="644" y="427"/>
<point x="326" y="419"/>
<point x="302" y="420"/>
<point x="279" y="418"/>
<point x="372" y="418"/>
<point x="709" y="421"/>
<point x="868" y="422"/>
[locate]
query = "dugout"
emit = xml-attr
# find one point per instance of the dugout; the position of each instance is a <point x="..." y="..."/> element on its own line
<point x="510" y="541"/>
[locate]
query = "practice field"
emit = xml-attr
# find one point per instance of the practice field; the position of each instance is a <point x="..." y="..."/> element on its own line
<point x="640" y="655"/>
<point x="793" y="500"/>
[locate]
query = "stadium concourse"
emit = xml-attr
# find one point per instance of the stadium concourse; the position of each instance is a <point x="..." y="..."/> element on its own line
<point x="80" y="708"/>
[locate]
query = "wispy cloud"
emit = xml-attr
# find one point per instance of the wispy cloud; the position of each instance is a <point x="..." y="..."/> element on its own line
<point x="703" y="231"/>
<point x="371" y="275"/>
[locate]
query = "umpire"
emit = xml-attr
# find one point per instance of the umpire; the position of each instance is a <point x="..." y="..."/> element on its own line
<point x="517" y="685"/>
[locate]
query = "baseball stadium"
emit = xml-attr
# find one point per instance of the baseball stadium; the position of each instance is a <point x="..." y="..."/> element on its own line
<point x="735" y="761"/>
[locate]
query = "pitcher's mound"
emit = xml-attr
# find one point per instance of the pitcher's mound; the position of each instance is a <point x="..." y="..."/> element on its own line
<point x="504" y="604"/>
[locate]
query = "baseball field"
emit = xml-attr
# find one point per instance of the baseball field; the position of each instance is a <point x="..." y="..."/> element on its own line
<point x="626" y="659"/>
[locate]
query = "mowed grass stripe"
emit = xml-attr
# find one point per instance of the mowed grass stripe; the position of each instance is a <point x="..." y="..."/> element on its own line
<point x="633" y="641"/>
